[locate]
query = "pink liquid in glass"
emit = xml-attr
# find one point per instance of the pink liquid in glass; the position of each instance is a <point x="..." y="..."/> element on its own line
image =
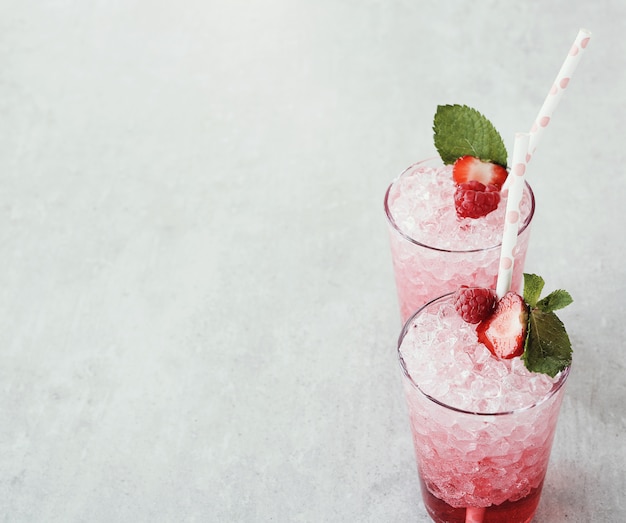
<point x="482" y="427"/>
<point x="434" y="251"/>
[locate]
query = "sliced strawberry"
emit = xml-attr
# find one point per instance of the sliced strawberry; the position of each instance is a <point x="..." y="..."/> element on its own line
<point x="504" y="332"/>
<point x="468" y="168"/>
<point x="474" y="304"/>
<point x="473" y="199"/>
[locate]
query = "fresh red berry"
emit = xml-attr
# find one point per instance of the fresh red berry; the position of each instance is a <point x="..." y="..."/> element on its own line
<point x="468" y="168"/>
<point x="504" y="332"/>
<point x="473" y="199"/>
<point x="474" y="304"/>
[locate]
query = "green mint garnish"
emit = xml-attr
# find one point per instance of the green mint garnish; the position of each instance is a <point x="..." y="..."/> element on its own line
<point x="547" y="348"/>
<point x="463" y="131"/>
<point x="533" y="285"/>
<point x="555" y="300"/>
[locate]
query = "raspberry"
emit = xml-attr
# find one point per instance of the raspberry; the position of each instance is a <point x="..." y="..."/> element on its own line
<point x="474" y="304"/>
<point x="473" y="199"/>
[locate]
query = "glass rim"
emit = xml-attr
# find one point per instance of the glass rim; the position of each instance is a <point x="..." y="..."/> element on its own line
<point x="555" y="387"/>
<point x="408" y="238"/>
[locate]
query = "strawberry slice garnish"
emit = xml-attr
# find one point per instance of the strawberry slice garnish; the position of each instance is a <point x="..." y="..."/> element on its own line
<point x="468" y="168"/>
<point x="504" y="332"/>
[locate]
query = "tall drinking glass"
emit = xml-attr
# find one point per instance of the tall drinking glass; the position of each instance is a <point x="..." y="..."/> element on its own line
<point x="433" y="251"/>
<point x="482" y="427"/>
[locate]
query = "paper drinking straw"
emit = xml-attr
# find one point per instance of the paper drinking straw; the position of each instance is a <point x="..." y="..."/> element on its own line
<point x="558" y="88"/>
<point x="544" y="116"/>
<point x="512" y="215"/>
<point x="474" y="514"/>
<point x="509" y="241"/>
<point x="523" y="149"/>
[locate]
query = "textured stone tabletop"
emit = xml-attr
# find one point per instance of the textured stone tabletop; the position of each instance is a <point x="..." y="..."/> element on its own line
<point x="197" y="310"/>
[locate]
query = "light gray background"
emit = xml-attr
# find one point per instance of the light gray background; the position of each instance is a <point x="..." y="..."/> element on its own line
<point x="197" y="310"/>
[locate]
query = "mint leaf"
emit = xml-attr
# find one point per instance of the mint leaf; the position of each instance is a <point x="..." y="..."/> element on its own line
<point x="548" y="348"/>
<point x="555" y="300"/>
<point x="461" y="131"/>
<point x="533" y="285"/>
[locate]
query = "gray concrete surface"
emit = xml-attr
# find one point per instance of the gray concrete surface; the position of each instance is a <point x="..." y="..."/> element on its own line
<point x="197" y="310"/>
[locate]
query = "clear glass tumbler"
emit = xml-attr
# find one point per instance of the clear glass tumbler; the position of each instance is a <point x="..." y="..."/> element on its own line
<point x="482" y="427"/>
<point x="429" y="260"/>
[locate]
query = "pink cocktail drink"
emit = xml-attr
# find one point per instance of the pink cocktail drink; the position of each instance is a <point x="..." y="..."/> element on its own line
<point x="433" y="250"/>
<point x="482" y="426"/>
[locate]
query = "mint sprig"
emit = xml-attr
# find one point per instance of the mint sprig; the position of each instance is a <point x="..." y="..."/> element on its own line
<point x="547" y="348"/>
<point x="463" y="131"/>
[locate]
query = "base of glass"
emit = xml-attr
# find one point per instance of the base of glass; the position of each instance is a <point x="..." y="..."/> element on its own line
<point x="520" y="511"/>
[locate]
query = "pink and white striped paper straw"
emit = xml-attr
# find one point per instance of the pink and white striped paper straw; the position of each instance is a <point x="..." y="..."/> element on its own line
<point x="512" y="215"/>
